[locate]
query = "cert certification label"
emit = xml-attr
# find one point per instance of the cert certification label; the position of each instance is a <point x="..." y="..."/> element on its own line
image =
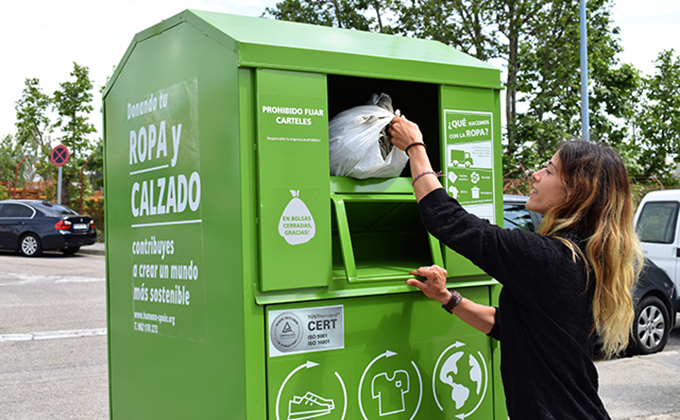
<point x="306" y="330"/>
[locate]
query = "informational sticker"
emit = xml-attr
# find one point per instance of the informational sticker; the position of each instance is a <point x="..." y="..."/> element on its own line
<point x="469" y="160"/>
<point x="166" y="233"/>
<point x="294" y="212"/>
<point x="296" y="225"/>
<point x="288" y="123"/>
<point x="306" y="330"/>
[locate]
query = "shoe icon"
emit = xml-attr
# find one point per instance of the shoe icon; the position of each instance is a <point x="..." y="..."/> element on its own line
<point x="309" y="406"/>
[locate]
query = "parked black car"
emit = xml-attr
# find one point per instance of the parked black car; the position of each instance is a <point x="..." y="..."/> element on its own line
<point x="33" y="226"/>
<point x="655" y="297"/>
<point x="516" y="215"/>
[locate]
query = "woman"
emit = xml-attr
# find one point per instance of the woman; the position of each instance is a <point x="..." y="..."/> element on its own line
<point x="563" y="287"/>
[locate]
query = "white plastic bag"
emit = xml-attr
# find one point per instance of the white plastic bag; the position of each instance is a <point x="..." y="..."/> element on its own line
<point x="354" y="146"/>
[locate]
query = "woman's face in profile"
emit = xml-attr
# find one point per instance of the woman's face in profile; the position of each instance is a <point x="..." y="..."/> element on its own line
<point x="548" y="189"/>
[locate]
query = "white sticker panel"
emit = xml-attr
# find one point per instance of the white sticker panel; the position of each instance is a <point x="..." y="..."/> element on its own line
<point x="306" y="330"/>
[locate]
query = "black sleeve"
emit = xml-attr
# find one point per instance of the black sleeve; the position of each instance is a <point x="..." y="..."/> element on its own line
<point x="496" y="330"/>
<point x="514" y="257"/>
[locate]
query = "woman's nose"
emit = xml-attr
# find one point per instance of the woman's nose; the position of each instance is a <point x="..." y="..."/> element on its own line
<point x="536" y="176"/>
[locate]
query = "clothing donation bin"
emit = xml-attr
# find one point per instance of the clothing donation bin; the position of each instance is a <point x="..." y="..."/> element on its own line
<point x="245" y="282"/>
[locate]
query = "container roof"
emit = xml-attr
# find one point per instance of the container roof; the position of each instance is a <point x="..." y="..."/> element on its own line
<point x="267" y="43"/>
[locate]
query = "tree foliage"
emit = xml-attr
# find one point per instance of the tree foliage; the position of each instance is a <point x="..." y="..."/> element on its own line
<point x="33" y="125"/>
<point x="465" y="25"/>
<point x="657" y="137"/>
<point x="349" y="14"/>
<point x="73" y="103"/>
<point x="10" y="155"/>
<point x="549" y="81"/>
<point x="37" y="134"/>
<point x="539" y="43"/>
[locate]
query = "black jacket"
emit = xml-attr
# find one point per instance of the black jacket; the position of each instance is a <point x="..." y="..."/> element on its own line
<point x="544" y="319"/>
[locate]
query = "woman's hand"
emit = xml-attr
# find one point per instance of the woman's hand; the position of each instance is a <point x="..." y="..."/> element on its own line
<point x="403" y="132"/>
<point x="434" y="285"/>
<point x="478" y="316"/>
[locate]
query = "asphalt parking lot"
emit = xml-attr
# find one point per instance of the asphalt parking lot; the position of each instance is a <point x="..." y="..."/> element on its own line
<point x="642" y="387"/>
<point x="53" y="361"/>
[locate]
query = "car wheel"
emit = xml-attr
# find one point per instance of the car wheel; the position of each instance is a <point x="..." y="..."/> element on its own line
<point x="70" y="250"/>
<point x="651" y="326"/>
<point x="29" y="245"/>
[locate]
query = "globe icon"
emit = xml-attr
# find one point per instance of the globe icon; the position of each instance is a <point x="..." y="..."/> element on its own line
<point x="463" y="376"/>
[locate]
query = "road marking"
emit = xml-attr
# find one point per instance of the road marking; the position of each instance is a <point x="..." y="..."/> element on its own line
<point x="14" y="279"/>
<point x="51" y="335"/>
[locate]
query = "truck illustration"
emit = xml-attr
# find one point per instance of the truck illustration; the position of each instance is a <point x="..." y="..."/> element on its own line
<point x="460" y="157"/>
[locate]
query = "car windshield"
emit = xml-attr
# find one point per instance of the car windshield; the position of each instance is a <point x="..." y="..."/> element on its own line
<point x="53" y="209"/>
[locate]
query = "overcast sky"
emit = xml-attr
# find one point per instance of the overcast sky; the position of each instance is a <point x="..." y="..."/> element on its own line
<point x="42" y="38"/>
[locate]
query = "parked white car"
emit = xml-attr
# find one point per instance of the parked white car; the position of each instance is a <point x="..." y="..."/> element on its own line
<point x="655" y="296"/>
<point x="657" y="223"/>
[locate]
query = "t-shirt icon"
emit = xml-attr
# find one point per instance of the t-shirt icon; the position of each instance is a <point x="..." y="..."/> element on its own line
<point x="390" y="390"/>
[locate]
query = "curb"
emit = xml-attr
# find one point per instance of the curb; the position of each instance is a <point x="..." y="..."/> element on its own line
<point x="96" y="249"/>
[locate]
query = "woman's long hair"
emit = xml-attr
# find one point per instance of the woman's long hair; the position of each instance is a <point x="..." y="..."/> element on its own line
<point x="599" y="206"/>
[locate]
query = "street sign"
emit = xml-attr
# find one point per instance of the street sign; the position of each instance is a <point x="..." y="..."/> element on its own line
<point x="59" y="155"/>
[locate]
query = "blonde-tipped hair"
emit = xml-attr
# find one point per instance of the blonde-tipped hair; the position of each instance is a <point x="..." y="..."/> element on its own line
<point x="599" y="206"/>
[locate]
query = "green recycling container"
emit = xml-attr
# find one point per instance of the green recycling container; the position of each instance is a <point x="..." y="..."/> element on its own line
<point x="246" y="282"/>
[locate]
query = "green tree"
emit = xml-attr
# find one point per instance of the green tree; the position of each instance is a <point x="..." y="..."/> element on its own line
<point x="95" y="167"/>
<point x="465" y="25"/>
<point x="7" y="158"/>
<point x="72" y="102"/>
<point x="549" y="81"/>
<point x="486" y="29"/>
<point x="477" y="27"/>
<point x="11" y="154"/>
<point x="657" y="135"/>
<point x="33" y="124"/>
<point x="539" y="41"/>
<point x="348" y="14"/>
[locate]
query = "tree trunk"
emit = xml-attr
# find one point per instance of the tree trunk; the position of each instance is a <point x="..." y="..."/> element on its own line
<point x="338" y="12"/>
<point x="376" y="5"/>
<point x="64" y="189"/>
